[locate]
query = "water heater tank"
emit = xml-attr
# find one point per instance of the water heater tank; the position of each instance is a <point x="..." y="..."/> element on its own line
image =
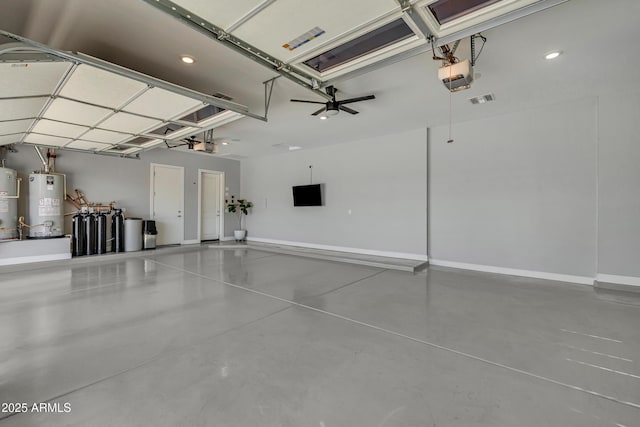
<point x="46" y="203"/>
<point x="8" y="206"/>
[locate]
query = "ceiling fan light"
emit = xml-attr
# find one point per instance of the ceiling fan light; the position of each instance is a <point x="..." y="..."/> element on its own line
<point x="331" y="113"/>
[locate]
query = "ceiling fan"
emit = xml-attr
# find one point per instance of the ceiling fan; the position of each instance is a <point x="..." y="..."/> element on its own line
<point x="333" y="107"/>
<point x="207" y="143"/>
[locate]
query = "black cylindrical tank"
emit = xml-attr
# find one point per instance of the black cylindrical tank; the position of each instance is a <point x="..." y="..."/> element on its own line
<point x="101" y="233"/>
<point x="117" y="231"/>
<point x="78" y="235"/>
<point x="90" y="232"/>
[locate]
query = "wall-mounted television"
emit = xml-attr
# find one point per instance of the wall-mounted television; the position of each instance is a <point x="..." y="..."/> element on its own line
<point x="307" y="195"/>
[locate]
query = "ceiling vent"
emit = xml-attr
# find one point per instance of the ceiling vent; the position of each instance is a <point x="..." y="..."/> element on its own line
<point x="483" y="99"/>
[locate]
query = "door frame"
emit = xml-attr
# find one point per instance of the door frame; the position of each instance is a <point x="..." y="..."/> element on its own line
<point x="152" y="171"/>
<point x="221" y="193"/>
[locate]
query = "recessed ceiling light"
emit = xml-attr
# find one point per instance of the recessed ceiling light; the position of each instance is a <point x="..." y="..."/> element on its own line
<point x="294" y="148"/>
<point x="225" y="143"/>
<point x="323" y="117"/>
<point x="552" y="55"/>
<point x="187" y="59"/>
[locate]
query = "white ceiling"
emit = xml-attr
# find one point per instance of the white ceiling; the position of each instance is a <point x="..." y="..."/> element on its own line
<point x="596" y="38"/>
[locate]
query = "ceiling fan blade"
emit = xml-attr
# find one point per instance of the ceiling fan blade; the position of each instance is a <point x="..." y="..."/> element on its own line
<point x="348" y="110"/>
<point x="319" y="111"/>
<point x="308" y="102"/>
<point x="358" y="99"/>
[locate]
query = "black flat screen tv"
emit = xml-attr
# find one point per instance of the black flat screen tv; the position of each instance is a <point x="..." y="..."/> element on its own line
<point x="307" y="195"/>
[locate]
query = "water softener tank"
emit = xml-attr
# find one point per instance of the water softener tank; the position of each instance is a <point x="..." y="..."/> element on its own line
<point x="101" y="233"/>
<point x="117" y="231"/>
<point x="79" y="235"/>
<point x="8" y="206"/>
<point x="90" y="232"/>
<point x="46" y="201"/>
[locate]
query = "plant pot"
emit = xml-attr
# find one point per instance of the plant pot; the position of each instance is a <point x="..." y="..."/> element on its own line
<point x="240" y="235"/>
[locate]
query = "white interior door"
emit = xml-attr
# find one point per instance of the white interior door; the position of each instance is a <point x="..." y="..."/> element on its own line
<point x="167" y="205"/>
<point x="210" y="206"/>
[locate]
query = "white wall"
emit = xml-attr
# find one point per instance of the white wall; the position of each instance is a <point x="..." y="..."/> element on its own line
<point x="518" y="191"/>
<point x="619" y="185"/>
<point x="381" y="180"/>
<point x="103" y="179"/>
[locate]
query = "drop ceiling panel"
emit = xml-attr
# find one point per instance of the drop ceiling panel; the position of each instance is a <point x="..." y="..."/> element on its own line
<point x="12" y="109"/>
<point x="223" y="13"/>
<point x="105" y="136"/>
<point x="100" y="87"/>
<point x="161" y="104"/>
<point x="87" y="145"/>
<point x="66" y="130"/>
<point x="16" y="126"/>
<point x="129" y="123"/>
<point x="30" y="78"/>
<point x="10" y="139"/>
<point x="285" y="20"/>
<point x="75" y="112"/>
<point x="56" y="141"/>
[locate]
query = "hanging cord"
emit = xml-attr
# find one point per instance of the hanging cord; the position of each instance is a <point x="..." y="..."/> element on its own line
<point x="310" y="174"/>
<point x="450" y="140"/>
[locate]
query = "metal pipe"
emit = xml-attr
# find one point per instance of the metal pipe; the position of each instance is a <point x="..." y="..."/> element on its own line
<point x="17" y="196"/>
<point x="44" y="162"/>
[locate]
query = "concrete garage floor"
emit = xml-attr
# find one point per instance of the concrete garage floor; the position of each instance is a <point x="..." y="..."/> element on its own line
<point x="243" y="337"/>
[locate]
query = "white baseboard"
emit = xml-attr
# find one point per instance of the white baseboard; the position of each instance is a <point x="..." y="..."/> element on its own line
<point x="418" y="257"/>
<point x="583" y="280"/>
<point x="35" y="258"/>
<point x="190" y="242"/>
<point x="227" y="238"/>
<point x="618" y="280"/>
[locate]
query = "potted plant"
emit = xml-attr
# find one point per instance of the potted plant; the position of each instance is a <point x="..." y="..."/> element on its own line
<point x="240" y="207"/>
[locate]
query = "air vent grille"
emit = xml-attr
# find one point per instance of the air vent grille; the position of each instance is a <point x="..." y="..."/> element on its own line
<point x="483" y="99"/>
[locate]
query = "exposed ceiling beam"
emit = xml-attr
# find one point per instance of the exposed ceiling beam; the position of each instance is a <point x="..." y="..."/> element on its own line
<point x="219" y="34"/>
